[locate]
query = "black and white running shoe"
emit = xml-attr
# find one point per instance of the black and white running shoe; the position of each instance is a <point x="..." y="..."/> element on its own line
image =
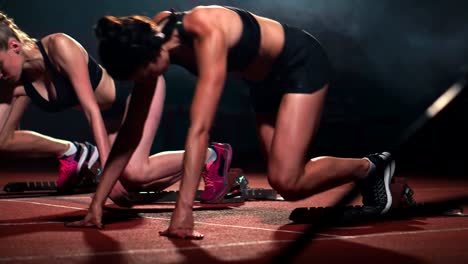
<point x="81" y="155"/>
<point x="93" y="155"/>
<point x="375" y="188"/>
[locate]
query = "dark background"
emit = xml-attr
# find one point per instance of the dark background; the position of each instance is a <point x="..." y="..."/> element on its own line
<point x="392" y="58"/>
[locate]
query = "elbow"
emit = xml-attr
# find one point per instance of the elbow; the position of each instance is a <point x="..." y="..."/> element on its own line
<point x="199" y="132"/>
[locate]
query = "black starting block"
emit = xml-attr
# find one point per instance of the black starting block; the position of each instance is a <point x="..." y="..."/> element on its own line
<point x="88" y="182"/>
<point x="150" y="197"/>
<point x="30" y="186"/>
<point x="402" y="207"/>
<point x="241" y="187"/>
<point x="239" y="192"/>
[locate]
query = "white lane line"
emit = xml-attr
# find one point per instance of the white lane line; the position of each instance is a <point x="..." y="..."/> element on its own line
<point x="38" y="203"/>
<point x="238" y="244"/>
<point x="167" y="219"/>
<point x="30" y="223"/>
<point x="232" y="226"/>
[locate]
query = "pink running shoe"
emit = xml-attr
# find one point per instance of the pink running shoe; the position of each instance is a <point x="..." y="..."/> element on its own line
<point x="216" y="177"/>
<point x="70" y="167"/>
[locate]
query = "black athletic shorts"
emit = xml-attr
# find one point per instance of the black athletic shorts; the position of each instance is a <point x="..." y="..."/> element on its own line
<point x="301" y="67"/>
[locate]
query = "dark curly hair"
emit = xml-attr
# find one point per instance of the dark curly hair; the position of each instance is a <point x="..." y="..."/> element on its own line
<point x="126" y="44"/>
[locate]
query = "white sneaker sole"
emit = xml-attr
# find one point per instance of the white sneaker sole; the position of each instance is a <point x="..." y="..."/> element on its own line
<point x="388" y="175"/>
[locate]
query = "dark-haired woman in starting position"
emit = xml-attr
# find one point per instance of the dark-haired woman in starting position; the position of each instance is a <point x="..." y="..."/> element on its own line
<point x="289" y="74"/>
<point x="56" y="73"/>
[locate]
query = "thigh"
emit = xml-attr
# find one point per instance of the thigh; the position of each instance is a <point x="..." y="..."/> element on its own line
<point x="151" y="123"/>
<point x="296" y="123"/>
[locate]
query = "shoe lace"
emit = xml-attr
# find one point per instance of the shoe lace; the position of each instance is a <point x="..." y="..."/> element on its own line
<point x="206" y="178"/>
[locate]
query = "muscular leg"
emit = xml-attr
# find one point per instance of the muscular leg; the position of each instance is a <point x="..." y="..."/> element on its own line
<point x="33" y="144"/>
<point x="286" y="144"/>
<point x="145" y="172"/>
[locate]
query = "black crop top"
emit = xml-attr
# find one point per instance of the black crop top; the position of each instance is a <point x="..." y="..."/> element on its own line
<point x="66" y="96"/>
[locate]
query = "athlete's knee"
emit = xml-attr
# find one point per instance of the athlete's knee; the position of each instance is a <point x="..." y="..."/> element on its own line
<point x="133" y="173"/>
<point x="284" y="181"/>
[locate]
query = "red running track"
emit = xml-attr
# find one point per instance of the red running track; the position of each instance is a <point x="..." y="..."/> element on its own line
<point x="32" y="230"/>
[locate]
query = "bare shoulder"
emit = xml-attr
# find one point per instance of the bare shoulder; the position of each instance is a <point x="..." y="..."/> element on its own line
<point x="61" y="45"/>
<point x="199" y="19"/>
<point x="205" y="13"/>
<point x="61" y="40"/>
<point x="202" y="18"/>
<point x="195" y="12"/>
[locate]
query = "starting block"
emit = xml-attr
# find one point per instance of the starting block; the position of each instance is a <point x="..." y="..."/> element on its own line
<point x="239" y="193"/>
<point x="241" y="186"/>
<point x="89" y="181"/>
<point x="403" y="205"/>
<point x="30" y="186"/>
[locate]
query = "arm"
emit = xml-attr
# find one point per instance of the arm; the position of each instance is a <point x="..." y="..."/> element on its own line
<point x="6" y="105"/>
<point x="125" y="144"/>
<point x="13" y="141"/>
<point x="71" y="59"/>
<point x="129" y="136"/>
<point x="211" y="54"/>
<point x="24" y="143"/>
<point x="11" y="111"/>
<point x="19" y="106"/>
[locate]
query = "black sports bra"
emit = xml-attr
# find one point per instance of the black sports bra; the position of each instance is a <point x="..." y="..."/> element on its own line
<point x="66" y="96"/>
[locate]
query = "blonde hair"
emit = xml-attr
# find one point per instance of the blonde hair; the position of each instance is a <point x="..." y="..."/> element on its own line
<point x="8" y="29"/>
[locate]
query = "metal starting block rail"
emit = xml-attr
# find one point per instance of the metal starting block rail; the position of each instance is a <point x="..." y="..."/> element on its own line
<point x="239" y="192"/>
<point x="30" y="186"/>
<point x="88" y="183"/>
